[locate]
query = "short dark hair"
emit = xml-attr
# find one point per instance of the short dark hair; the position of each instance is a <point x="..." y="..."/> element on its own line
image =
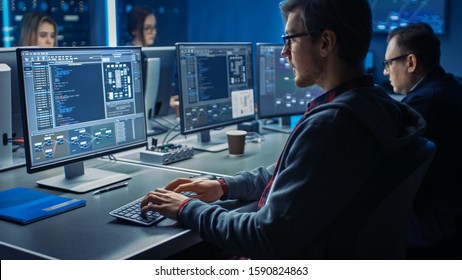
<point x="135" y="21"/>
<point x="418" y="39"/>
<point x="350" y="20"/>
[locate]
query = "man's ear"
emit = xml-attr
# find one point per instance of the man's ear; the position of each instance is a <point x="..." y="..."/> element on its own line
<point x="412" y="63"/>
<point x="328" y="42"/>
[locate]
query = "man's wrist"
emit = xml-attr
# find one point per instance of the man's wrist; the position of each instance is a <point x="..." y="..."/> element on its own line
<point x="224" y="188"/>
<point x="182" y="205"/>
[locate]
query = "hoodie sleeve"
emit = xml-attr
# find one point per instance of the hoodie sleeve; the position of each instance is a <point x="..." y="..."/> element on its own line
<point x="248" y="186"/>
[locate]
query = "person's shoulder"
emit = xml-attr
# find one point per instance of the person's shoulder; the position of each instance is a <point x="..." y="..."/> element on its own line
<point x="436" y="92"/>
<point x="363" y="96"/>
<point x="439" y="79"/>
<point x="445" y="86"/>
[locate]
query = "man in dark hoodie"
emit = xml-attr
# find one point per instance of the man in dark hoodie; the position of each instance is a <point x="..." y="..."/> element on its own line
<point x="342" y="138"/>
<point x="413" y="67"/>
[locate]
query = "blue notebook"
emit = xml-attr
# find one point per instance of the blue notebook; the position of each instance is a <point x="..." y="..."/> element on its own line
<point x="24" y="206"/>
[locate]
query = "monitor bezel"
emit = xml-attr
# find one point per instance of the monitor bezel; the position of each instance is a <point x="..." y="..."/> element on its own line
<point x="180" y="86"/>
<point x="78" y="158"/>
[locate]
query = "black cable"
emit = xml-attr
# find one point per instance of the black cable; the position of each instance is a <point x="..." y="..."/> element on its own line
<point x="111" y="157"/>
<point x="168" y="133"/>
<point x="160" y="125"/>
<point x="16" y="140"/>
<point x="174" y="136"/>
<point x="164" y="126"/>
<point x="168" y="120"/>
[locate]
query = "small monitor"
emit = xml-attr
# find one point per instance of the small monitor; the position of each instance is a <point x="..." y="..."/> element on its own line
<point x="78" y="104"/>
<point x="168" y="85"/>
<point x="278" y="96"/>
<point x="388" y="15"/>
<point x="216" y="89"/>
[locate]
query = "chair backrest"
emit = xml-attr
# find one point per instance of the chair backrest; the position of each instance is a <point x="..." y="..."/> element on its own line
<point x="375" y="224"/>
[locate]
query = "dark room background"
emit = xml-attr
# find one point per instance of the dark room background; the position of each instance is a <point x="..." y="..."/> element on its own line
<point x="260" y="21"/>
<point x="84" y="23"/>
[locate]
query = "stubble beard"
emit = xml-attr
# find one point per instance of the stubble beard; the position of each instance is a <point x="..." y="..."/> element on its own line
<point x="311" y="76"/>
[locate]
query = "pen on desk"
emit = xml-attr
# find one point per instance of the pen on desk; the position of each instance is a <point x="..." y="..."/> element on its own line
<point x="110" y="188"/>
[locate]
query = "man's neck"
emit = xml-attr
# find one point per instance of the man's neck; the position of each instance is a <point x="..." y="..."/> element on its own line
<point x="339" y="74"/>
<point x="419" y="77"/>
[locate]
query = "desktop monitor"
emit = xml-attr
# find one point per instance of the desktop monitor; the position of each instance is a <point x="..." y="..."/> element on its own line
<point x="151" y="88"/>
<point x="278" y="96"/>
<point x="387" y="15"/>
<point x="80" y="103"/>
<point x="8" y="56"/>
<point x="216" y="89"/>
<point x="168" y="85"/>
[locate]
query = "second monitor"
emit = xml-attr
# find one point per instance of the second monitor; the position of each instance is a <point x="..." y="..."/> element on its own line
<point x="168" y="76"/>
<point x="159" y="86"/>
<point x="216" y="89"/>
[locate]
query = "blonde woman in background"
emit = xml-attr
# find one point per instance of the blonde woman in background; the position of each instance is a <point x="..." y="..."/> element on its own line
<point x="38" y="29"/>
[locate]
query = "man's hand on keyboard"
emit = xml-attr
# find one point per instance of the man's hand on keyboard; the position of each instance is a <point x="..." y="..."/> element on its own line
<point x="163" y="201"/>
<point x="205" y="189"/>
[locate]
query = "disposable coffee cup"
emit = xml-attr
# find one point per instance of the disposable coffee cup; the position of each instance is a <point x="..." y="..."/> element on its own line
<point x="236" y="142"/>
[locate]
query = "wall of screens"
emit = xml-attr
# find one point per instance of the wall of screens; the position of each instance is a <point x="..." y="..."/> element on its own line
<point x="388" y="15"/>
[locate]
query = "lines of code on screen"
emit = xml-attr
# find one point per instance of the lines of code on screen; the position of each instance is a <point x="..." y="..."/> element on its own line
<point x="76" y="92"/>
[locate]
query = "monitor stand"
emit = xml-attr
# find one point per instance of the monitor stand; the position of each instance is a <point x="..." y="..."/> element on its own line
<point x="77" y="179"/>
<point x="283" y="125"/>
<point x="206" y="143"/>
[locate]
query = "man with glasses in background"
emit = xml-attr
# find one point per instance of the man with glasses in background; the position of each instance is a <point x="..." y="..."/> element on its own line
<point x="339" y="143"/>
<point x="412" y="63"/>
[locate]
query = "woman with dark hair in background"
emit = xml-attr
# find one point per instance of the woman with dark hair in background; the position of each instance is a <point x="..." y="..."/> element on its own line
<point x="142" y="26"/>
<point x="38" y="29"/>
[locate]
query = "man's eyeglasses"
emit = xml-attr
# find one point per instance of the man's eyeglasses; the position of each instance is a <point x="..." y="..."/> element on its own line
<point x="288" y="39"/>
<point x="387" y="63"/>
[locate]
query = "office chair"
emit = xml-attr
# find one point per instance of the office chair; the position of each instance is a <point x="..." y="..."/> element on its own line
<point x="375" y="223"/>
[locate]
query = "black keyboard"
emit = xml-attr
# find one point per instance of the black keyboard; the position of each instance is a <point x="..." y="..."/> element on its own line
<point x="132" y="212"/>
